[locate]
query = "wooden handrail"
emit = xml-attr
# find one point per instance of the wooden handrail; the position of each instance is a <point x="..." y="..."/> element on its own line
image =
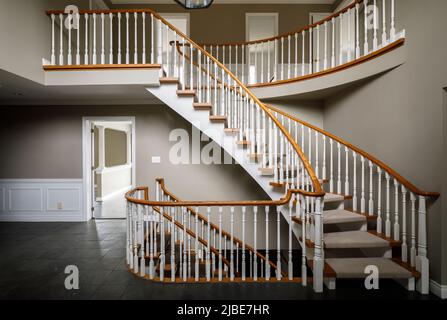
<point x="371" y="158"/>
<point x="320" y="22"/>
<point x="319" y="192"/>
<point x="161" y="181"/>
<point x="375" y="54"/>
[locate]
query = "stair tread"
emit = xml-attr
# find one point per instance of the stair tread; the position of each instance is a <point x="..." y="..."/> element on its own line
<point x="355" y="268"/>
<point x="353" y="239"/>
<point x="341" y="216"/>
<point x="333" y="197"/>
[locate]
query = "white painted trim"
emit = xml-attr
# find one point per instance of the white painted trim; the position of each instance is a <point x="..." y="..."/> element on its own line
<point x="86" y="158"/>
<point x="438" y="289"/>
<point x="261" y="14"/>
<point x="41" y="209"/>
<point x="113" y="194"/>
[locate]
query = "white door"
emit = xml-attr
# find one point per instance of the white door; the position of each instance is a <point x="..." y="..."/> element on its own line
<point x="318" y="46"/>
<point x="260" y="26"/>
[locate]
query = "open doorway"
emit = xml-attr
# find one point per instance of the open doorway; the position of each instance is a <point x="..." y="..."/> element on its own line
<point x="109" y="166"/>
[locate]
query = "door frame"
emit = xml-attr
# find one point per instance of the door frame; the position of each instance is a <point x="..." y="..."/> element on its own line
<point x="87" y="157"/>
<point x="261" y="14"/>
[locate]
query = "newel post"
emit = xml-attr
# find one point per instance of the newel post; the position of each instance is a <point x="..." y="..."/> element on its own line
<point x="318" y="263"/>
<point x="422" y="263"/>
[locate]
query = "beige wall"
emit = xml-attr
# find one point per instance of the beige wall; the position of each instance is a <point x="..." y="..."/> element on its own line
<point x="398" y="116"/>
<point x="226" y="22"/>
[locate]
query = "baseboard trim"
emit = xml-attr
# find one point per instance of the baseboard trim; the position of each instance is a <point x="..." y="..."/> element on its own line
<point x="438" y="289"/>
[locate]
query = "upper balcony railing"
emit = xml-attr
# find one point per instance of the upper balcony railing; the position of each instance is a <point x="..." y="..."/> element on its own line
<point x="361" y="30"/>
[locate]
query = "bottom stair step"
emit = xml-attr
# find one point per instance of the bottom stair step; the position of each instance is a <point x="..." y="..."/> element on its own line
<point x="354" y="268"/>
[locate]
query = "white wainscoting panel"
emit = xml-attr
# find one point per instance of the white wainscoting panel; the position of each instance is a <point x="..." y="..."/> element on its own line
<point x="41" y="200"/>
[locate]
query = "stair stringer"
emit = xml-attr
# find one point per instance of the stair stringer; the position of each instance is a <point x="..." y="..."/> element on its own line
<point x="183" y="105"/>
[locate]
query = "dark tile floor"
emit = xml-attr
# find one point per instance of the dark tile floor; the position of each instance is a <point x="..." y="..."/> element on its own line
<point x="33" y="257"/>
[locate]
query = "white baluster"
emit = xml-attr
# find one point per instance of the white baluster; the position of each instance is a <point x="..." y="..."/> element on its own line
<point x="278" y="243"/>
<point x="208" y="249"/>
<point x="404" y="225"/>
<point x="296" y="55"/>
<point x="324" y="158"/>
<point x="392" y="28"/>
<point x="346" y="171"/>
<point x="127" y="39"/>
<point x="338" y="168"/>
<point x="303" y="53"/>
<point x="365" y="44"/>
<point x="196" y="246"/>
<point x="135" y="54"/>
<point x="53" y="56"/>
<point x="173" y="242"/>
<point x="220" y="245"/>
<point x="340" y="58"/>
<point x="396" y="211"/>
<point x="103" y="55"/>
<point x="333" y="44"/>
<point x="119" y="57"/>
<point x="300" y="205"/>
<point x="331" y="168"/>
<point x="371" y="199"/>
<point x="413" y="230"/>
<point x="318" y="50"/>
<point x="282" y="58"/>
<point x="184" y="242"/>
<point x="243" y="244"/>
<point x="61" y="41"/>
<point x="325" y="46"/>
<point x="288" y="57"/>
<point x="357" y="31"/>
<point x="153" y="41"/>
<point x="384" y="40"/>
<point x="318" y="262"/>
<point x="362" y="199"/>
<point x="379" y="201"/>
<point x="387" y="208"/>
<point x="375" y="26"/>
<point x="78" y="52"/>
<point x="111" y="38"/>
<point x="143" y="54"/>
<point x="354" y="180"/>
<point x="86" y="52"/>
<point x="231" y="244"/>
<point x="311" y="63"/>
<point x="349" y="57"/>
<point x="69" y="57"/>
<point x="255" y="242"/>
<point x="267" y="264"/>
<point x="290" y="262"/>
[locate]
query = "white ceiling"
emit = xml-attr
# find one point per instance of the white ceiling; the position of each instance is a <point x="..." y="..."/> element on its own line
<point x="228" y="1"/>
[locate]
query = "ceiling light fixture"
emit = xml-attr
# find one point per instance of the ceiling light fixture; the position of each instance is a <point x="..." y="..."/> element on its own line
<point x="194" y="4"/>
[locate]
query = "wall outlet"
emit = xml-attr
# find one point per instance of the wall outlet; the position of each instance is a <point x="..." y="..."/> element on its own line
<point x="60" y="206"/>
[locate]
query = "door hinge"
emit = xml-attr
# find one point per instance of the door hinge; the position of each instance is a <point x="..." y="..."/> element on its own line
<point x="93" y="208"/>
<point x="92" y="130"/>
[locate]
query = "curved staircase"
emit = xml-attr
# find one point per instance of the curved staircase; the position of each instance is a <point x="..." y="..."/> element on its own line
<point x="363" y="218"/>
